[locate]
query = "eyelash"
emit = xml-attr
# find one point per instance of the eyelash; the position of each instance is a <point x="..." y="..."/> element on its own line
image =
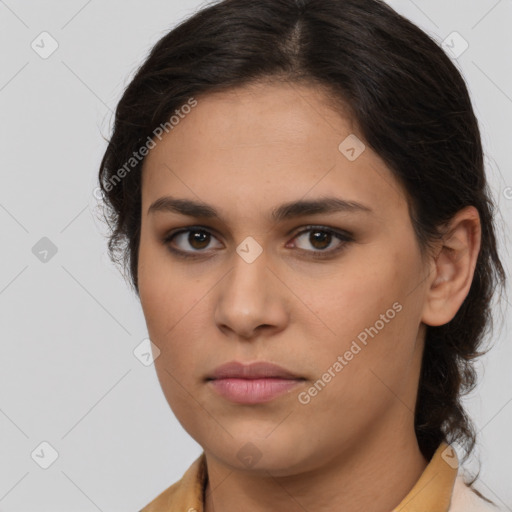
<point x="344" y="237"/>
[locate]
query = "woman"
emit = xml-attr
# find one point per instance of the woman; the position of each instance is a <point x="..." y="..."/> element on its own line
<point x="298" y="191"/>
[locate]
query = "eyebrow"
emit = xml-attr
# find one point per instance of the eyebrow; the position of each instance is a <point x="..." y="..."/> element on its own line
<point x="283" y="212"/>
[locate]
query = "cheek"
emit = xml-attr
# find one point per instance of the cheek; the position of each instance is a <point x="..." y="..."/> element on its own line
<point x="165" y="295"/>
<point x="171" y="306"/>
<point x="172" y="315"/>
<point x="347" y="302"/>
<point x="371" y="321"/>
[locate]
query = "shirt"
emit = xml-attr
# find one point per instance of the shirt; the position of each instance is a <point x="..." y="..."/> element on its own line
<point x="440" y="488"/>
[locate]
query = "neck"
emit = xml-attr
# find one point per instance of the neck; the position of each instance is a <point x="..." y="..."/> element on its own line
<point x="373" y="476"/>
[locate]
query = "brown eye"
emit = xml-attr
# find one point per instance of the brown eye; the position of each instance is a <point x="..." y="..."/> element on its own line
<point x="189" y="241"/>
<point x="321" y="242"/>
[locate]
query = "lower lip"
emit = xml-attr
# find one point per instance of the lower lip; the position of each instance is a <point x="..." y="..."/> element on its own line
<point x="253" y="391"/>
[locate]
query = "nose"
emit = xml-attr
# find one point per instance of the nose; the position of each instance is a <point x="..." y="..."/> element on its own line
<point x="251" y="300"/>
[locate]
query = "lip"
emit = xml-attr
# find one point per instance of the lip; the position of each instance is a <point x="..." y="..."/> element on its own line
<point x="257" y="370"/>
<point x="253" y="383"/>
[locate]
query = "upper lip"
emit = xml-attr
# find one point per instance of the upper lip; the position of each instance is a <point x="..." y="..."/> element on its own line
<point x="257" y="370"/>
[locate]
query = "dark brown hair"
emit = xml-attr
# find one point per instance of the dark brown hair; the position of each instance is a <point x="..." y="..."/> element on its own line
<point x="411" y="106"/>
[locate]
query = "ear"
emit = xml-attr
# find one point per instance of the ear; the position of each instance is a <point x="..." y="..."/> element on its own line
<point x="453" y="268"/>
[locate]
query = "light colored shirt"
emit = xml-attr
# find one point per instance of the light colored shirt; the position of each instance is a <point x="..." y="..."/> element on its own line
<point x="440" y="488"/>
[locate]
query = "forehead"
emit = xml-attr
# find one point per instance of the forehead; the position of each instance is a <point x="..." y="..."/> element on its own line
<point x="266" y="143"/>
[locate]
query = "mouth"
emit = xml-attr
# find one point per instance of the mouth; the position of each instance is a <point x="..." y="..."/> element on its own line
<point x="253" y="383"/>
<point x="253" y="391"/>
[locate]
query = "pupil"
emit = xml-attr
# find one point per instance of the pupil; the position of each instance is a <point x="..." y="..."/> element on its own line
<point x="320" y="236"/>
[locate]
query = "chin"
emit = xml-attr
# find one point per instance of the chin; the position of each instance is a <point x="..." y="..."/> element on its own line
<point x="278" y="456"/>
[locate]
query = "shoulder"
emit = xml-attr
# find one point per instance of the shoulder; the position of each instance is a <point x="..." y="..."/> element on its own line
<point x="465" y="499"/>
<point x="186" y="494"/>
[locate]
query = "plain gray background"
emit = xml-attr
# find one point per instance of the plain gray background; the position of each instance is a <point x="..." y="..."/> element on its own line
<point x="69" y="325"/>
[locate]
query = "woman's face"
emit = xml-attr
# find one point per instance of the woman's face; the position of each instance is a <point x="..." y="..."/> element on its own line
<point x="343" y="314"/>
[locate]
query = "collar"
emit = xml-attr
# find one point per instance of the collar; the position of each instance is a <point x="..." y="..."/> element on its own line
<point x="433" y="490"/>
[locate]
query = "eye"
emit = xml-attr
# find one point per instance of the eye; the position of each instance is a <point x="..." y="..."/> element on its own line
<point x="198" y="239"/>
<point x="321" y="239"/>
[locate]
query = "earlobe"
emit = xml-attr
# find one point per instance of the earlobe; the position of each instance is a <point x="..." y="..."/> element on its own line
<point x="453" y="268"/>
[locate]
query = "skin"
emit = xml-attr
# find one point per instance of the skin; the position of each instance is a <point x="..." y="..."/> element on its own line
<point x="353" y="446"/>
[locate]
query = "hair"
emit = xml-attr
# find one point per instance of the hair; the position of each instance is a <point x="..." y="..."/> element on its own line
<point x="411" y="106"/>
